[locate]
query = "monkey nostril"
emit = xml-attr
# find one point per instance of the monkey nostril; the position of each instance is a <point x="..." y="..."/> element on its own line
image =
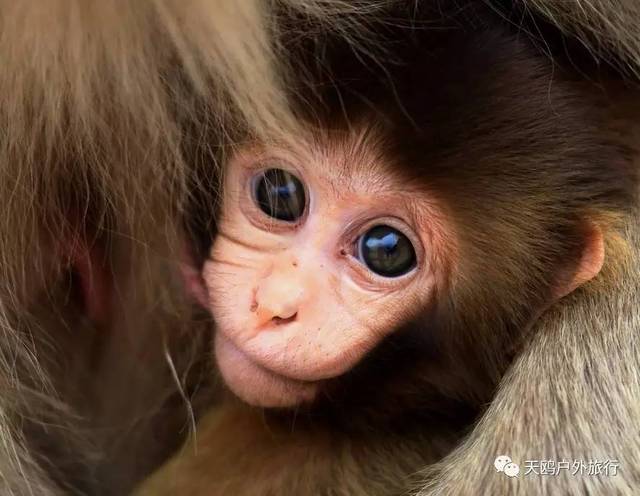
<point x="281" y="321"/>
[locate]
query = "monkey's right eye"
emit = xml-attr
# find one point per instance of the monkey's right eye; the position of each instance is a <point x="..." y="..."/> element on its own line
<point x="279" y="194"/>
<point x="386" y="251"/>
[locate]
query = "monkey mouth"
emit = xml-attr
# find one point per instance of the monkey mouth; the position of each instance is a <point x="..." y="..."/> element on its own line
<point x="256" y="384"/>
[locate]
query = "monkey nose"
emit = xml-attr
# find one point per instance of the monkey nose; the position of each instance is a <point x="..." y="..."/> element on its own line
<point x="276" y="302"/>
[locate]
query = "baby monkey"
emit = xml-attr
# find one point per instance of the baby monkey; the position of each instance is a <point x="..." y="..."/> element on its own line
<point x="324" y="251"/>
<point x="372" y="279"/>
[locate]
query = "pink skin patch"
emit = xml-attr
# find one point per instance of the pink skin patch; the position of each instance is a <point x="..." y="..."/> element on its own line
<point x="293" y="305"/>
<point x="94" y="279"/>
<point x="255" y="384"/>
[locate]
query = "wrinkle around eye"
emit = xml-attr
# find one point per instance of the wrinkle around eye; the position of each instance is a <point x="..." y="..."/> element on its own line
<point x="229" y="263"/>
<point x="237" y="241"/>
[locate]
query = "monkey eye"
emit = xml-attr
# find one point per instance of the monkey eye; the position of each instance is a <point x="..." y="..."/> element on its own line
<point x="386" y="251"/>
<point x="279" y="194"/>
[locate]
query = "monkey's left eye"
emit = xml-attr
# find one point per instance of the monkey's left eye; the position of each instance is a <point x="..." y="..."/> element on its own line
<point x="279" y="194"/>
<point x="386" y="251"/>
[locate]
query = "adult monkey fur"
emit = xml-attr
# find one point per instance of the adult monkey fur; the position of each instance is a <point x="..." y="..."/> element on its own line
<point x="94" y="97"/>
<point x="235" y="454"/>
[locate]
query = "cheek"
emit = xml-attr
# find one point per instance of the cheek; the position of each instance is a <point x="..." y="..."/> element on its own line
<point x="228" y="295"/>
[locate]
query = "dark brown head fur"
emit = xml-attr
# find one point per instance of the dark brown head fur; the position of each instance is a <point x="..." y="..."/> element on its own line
<point x="515" y="150"/>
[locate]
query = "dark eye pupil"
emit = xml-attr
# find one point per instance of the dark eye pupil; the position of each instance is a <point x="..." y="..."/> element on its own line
<point x="280" y="195"/>
<point x="386" y="251"/>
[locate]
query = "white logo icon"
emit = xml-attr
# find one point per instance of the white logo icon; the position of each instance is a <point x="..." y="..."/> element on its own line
<point x="504" y="464"/>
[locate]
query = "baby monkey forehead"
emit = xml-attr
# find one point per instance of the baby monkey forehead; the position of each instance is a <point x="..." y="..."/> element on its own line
<point x="349" y="162"/>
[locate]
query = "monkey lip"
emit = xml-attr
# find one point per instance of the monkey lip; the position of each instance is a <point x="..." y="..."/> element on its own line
<point x="257" y="385"/>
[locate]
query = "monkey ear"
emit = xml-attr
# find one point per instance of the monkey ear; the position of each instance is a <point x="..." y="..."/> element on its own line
<point x="192" y="278"/>
<point x="88" y="263"/>
<point x="590" y="262"/>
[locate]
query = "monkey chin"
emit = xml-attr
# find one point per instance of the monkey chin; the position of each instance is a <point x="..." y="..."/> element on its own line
<point x="257" y="385"/>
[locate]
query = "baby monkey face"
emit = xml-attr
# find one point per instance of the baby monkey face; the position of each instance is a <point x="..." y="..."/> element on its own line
<point x="321" y="252"/>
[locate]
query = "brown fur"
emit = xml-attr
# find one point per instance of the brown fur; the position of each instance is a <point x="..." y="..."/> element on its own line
<point x="95" y="98"/>
<point x="609" y="30"/>
<point x="573" y="392"/>
<point x="545" y="148"/>
<point x="216" y="462"/>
